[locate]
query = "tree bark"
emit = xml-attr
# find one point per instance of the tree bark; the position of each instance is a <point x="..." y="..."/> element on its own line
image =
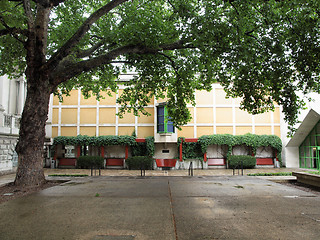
<point x="32" y="133"/>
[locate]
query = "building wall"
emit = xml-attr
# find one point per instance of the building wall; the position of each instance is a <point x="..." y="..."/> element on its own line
<point x="8" y="156"/>
<point x="213" y="114"/>
<point x="290" y="155"/>
<point x="12" y="97"/>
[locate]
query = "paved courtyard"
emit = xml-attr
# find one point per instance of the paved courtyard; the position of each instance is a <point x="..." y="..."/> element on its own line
<point x="163" y="207"/>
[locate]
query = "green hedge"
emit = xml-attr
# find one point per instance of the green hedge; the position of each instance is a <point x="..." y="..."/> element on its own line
<point x="136" y="162"/>
<point x="190" y="150"/>
<point x="251" y="140"/>
<point x="144" y="148"/>
<point x="234" y="161"/>
<point x="90" y="162"/>
<point x="138" y="149"/>
<point x="82" y="140"/>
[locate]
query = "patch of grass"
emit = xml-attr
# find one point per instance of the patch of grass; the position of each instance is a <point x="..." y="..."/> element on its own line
<point x="238" y="186"/>
<point x="97" y="195"/>
<point x="314" y="172"/>
<point x="68" y="175"/>
<point x="271" y="174"/>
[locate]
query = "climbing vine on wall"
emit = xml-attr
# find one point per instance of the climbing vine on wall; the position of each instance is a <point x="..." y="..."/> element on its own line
<point x="196" y="150"/>
<point x="251" y="140"/>
<point x="150" y="146"/>
<point x="82" y="140"/>
<point x="190" y="150"/>
<point x="144" y="148"/>
<point x="138" y="149"/>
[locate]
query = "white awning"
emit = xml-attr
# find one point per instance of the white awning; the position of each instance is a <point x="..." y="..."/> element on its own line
<point x="304" y="129"/>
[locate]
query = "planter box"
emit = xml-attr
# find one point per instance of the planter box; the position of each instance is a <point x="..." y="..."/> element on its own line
<point x="67" y="162"/>
<point x="166" y="162"/>
<point x="264" y="161"/>
<point x="307" y="178"/>
<point x="216" y="162"/>
<point x="118" y="162"/>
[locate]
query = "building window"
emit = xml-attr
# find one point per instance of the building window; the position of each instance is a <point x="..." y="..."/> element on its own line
<point x="309" y="150"/>
<point x="164" y="125"/>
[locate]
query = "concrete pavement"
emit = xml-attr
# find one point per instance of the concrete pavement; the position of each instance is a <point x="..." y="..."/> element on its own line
<point x="163" y="207"/>
<point x="4" y="179"/>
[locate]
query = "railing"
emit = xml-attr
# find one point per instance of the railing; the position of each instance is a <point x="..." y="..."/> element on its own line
<point x="143" y="170"/>
<point x="239" y="166"/>
<point x="190" y="170"/>
<point x="17" y="122"/>
<point x="8" y="121"/>
<point x="94" y="169"/>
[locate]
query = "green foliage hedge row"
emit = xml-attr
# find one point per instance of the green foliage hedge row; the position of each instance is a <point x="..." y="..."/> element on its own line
<point x="136" y="162"/>
<point x="234" y="161"/>
<point x="192" y="150"/>
<point x="144" y="148"/>
<point x="139" y="149"/>
<point x="90" y="162"/>
<point x="108" y="140"/>
<point x="251" y="140"/>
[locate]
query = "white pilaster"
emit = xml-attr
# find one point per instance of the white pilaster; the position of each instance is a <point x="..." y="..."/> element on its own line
<point x="21" y="96"/>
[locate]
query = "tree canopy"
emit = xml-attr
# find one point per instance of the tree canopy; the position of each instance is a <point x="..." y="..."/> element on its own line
<point x="263" y="51"/>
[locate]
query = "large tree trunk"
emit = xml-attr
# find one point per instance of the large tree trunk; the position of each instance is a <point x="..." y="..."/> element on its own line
<point x="32" y="133"/>
<point x="35" y="113"/>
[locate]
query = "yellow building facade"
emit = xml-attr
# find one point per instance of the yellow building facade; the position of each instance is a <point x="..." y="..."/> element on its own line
<point x="213" y="114"/>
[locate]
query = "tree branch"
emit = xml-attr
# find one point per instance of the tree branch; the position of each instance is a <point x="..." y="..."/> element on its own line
<point x="171" y="4"/>
<point x="49" y="3"/>
<point x="88" y="52"/>
<point x="126" y="62"/>
<point x="173" y="64"/>
<point x="66" y="49"/>
<point x="231" y="3"/>
<point x="68" y="69"/>
<point x="12" y="31"/>
<point x="27" y="9"/>
<point x="181" y="44"/>
<point x="57" y="2"/>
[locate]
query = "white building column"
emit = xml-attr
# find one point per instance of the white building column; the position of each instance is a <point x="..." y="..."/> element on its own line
<point x="21" y="96"/>
<point x="2" y="109"/>
<point x="1" y="116"/>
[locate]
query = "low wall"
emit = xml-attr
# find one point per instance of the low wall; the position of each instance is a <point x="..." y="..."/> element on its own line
<point x="307" y="178"/>
<point x="8" y="156"/>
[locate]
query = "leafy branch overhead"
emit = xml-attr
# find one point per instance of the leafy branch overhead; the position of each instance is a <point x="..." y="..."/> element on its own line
<point x="261" y="51"/>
